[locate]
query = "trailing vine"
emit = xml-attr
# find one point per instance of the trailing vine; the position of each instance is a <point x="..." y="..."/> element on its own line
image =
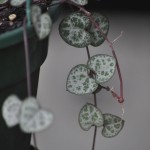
<point x="79" y="29"/>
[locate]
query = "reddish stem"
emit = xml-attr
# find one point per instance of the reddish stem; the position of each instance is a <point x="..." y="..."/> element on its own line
<point x="119" y="98"/>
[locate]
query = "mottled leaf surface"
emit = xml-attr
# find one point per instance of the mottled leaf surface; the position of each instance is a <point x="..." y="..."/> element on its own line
<point x="104" y="67"/>
<point x="80" y="2"/>
<point x="112" y="125"/>
<point x="79" y="82"/>
<point x="96" y="36"/>
<point x="90" y="116"/>
<point x="17" y="2"/>
<point x="73" y="28"/>
<point x="33" y="118"/>
<point x="41" y="22"/>
<point x="11" y="110"/>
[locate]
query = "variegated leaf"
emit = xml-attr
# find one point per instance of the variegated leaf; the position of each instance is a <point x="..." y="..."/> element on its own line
<point x="79" y="82"/>
<point x="17" y="2"/>
<point x="80" y="2"/>
<point x="104" y="67"/>
<point x="98" y="37"/>
<point x="73" y="28"/>
<point x="11" y="110"/>
<point x="41" y="22"/>
<point x="112" y="125"/>
<point x="33" y="118"/>
<point x="90" y="116"/>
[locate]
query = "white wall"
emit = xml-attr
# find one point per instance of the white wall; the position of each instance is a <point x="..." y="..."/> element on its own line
<point x="133" y="51"/>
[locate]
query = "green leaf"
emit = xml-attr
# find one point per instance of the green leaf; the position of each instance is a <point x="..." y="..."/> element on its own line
<point x="73" y="28"/>
<point x="90" y="116"/>
<point x="11" y="110"/>
<point x="97" y="37"/>
<point x="79" y="82"/>
<point x="104" y="67"/>
<point x="41" y="22"/>
<point x="3" y="1"/>
<point x="112" y="125"/>
<point x="33" y="118"/>
<point x="17" y="2"/>
<point x="80" y="2"/>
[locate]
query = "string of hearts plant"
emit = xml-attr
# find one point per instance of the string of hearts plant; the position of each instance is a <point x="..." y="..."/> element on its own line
<point x="79" y="29"/>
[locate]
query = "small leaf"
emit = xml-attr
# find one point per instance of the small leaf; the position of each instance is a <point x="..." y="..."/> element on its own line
<point x="73" y="28"/>
<point x="11" y="110"/>
<point x="17" y="2"/>
<point x="90" y="116"/>
<point x="3" y="1"/>
<point x="80" y="2"/>
<point x="41" y="22"/>
<point x="104" y="67"/>
<point x="112" y="125"/>
<point x="33" y="118"/>
<point x="79" y="82"/>
<point x="96" y="36"/>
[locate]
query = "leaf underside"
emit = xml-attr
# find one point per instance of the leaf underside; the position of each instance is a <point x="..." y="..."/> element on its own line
<point x="79" y="82"/>
<point x="104" y="67"/>
<point x="112" y="125"/>
<point x="90" y="116"/>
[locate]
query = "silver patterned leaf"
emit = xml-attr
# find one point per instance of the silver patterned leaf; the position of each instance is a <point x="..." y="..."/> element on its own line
<point x="97" y="37"/>
<point x="79" y="82"/>
<point x="90" y="116"/>
<point x="112" y="125"/>
<point x="73" y="28"/>
<point x="11" y="110"/>
<point x="41" y="22"/>
<point x="33" y="118"/>
<point x="104" y="67"/>
<point x="17" y="2"/>
<point x="80" y="2"/>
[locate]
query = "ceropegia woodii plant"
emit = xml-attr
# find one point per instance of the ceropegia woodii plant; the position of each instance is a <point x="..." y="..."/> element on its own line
<point x="79" y="29"/>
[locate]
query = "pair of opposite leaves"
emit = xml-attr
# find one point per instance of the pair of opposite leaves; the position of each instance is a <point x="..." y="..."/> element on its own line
<point x="80" y="30"/>
<point x="79" y="80"/>
<point x="92" y="116"/>
<point x="28" y="114"/>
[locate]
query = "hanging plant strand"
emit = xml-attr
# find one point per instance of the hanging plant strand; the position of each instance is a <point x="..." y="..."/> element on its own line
<point x="88" y="14"/>
<point x="27" y="62"/>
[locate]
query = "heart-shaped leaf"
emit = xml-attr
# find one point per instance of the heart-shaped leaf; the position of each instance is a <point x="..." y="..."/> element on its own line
<point x="90" y="116"/>
<point x="33" y="118"/>
<point x="96" y="36"/>
<point x="104" y="67"/>
<point x="11" y="110"/>
<point x="80" y="2"/>
<point x="79" y="82"/>
<point x="73" y="28"/>
<point x="17" y="2"/>
<point x="112" y="125"/>
<point x="3" y="1"/>
<point x="41" y="22"/>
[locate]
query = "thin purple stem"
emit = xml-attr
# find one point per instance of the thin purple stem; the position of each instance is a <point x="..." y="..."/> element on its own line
<point x="27" y="63"/>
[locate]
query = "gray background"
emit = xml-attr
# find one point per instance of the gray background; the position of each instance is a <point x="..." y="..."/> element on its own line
<point x="133" y="51"/>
